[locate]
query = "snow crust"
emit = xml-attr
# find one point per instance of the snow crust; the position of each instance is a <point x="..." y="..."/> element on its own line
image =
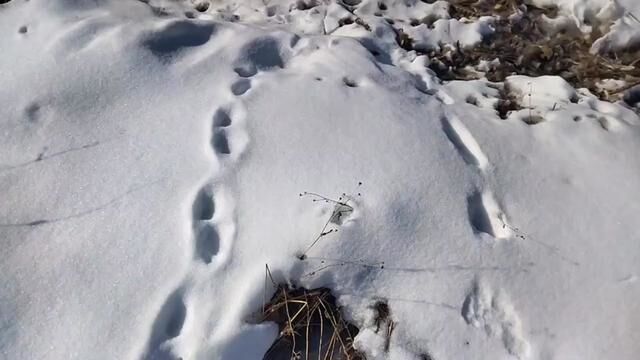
<point x="152" y="159"/>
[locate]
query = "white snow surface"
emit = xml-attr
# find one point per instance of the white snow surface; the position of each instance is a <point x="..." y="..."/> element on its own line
<point x="151" y="165"/>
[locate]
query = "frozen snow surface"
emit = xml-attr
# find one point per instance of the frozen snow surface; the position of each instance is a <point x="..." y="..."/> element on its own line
<point x="152" y="158"/>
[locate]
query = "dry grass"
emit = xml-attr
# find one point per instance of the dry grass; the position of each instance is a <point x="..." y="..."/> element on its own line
<point x="476" y="8"/>
<point x="522" y="46"/>
<point x="311" y="326"/>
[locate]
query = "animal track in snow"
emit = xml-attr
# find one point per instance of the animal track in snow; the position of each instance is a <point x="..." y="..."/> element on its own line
<point x="207" y="241"/>
<point x="203" y="206"/>
<point x="464" y="142"/>
<point x="492" y="311"/>
<point x="177" y="36"/>
<point x="221" y="118"/>
<point x="349" y="82"/>
<point x="220" y="143"/>
<point x="167" y="325"/>
<point x="219" y="138"/>
<point x="33" y="112"/>
<point x="263" y="54"/>
<point x="246" y="70"/>
<point x="240" y="87"/>
<point x="486" y="216"/>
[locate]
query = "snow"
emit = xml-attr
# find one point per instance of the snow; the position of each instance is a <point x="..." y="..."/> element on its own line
<point x="152" y="160"/>
<point x="617" y="19"/>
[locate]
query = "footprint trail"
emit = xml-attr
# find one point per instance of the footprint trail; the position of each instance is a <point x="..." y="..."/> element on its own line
<point x="213" y="228"/>
<point x="464" y="142"/>
<point x="167" y="325"/>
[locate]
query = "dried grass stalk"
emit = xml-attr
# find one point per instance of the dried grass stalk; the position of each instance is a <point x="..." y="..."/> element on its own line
<point x="311" y="326"/>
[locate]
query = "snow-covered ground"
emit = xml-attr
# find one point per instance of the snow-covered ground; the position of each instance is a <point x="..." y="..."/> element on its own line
<point x="153" y="158"/>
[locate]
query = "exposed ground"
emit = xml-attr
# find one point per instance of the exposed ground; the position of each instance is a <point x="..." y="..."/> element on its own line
<point x="525" y="44"/>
